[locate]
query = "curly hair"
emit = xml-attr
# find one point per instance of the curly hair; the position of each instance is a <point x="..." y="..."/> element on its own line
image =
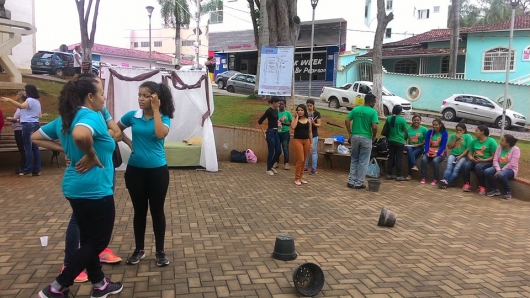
<point x="73" y="96"/>
<point x="167" y="106"/>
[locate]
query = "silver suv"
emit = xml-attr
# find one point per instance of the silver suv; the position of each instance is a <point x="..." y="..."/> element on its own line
<point x="479" y="108"/>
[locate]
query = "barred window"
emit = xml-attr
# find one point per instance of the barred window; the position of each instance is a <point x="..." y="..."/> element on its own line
<point x="157" y="44"/>
<point x="134" y="44"/>
<point x="406" y="66"/>
<point x="144" y="44"/>
<point x="189" y="43"/>
<point x="444" y="68"/>
<point x="495" y="60"/>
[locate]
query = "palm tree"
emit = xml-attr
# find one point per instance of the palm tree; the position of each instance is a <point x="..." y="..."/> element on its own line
<point x="211" y="6"/>
<point x="176" y="15"/>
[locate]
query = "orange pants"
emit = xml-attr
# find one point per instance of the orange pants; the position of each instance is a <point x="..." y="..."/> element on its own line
<point x="301" y="147"/>
<point x="211" y="76"/>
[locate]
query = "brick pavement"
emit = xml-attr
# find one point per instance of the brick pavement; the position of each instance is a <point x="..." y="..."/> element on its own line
<point x="222" y="227"/>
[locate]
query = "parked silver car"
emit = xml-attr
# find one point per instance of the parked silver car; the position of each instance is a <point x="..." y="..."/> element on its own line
<point x="241" y="83"/>
<point x="479" y="108"/>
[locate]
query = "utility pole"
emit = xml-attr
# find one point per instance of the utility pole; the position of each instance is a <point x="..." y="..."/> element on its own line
<point x="197" y="33"/>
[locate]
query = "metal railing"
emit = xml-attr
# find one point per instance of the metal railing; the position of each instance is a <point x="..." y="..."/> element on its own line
<point x="441" y="75"/>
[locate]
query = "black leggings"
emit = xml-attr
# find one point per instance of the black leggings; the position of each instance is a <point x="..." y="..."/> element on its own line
<point x="147" y="188"/>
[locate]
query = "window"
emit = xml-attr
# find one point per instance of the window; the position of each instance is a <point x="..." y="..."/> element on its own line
<point x="406" y="66"/>
<point x="436" y="9"/>
<point x="388" y="4"/>
<point x="157" y="44"/>
<point x="464" y="99"/>
<point x="423" y="14"/>
<point x="216" y="17"/>
<point x="483" y="102"/>
<point x="388" y="33"/>
<point x="444" y="67"/>
<point x="495" y="60"/>
<point x="189" y="43"/>
<point x="144" y="44"/>
<point x="134" y="44"/>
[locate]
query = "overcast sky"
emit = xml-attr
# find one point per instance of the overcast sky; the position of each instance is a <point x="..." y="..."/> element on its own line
<point x="57" y="22"/>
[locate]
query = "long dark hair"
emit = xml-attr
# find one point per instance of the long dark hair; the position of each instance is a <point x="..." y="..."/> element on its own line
<point x="511" y="140"/>
<point x="73" y="96"/>
<point x="484" y="129"/>
<point x="31" y="91"/>
<point x="167" y="106"/>
<point x="304" y="107"/>
<point x="396" y="111"/>
<point x="462" y="126"/>
<point x="442" y="126"/>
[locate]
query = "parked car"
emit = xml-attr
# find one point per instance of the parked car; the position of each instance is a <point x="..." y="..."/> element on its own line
<point x="241" y="83"/>
<point x="222" y="78"/>
<point x="55" y="63"/>
<point x="479" y="108"/>
<point x="351" y="94"/>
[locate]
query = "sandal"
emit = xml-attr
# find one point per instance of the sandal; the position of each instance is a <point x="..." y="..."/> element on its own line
<point x="298" y="183"/>
<point x="303" y="181"/>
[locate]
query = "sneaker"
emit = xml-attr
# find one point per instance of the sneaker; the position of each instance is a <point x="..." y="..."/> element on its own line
<point x="313" y="172"/>
<point x="494" y="193"/>
<point x="508" y="195"/>
<point x="275" y="165"/>
<point x="481" y="190"/>
<point x="434" y="182"/>
<point x="466" y="187"/>
<point x="47" y="293"/>
<point x="286" y="166"/>
<point x="82" y="277"/>
<point x="271" y="173"/>
<point x="110" y="288"/>
<point x="274" y="171"/>
<point x="401" y="178"/>
<point x="306" y="170"/>
<point x="443" y="184"/>
<point x="408" y="178"/>
<point x="106" y="256"/>
<point x="422" y="181"/>
<point x="136" y="257"/>
<point x="161" y="259"/>
<point x="415" y="168"/>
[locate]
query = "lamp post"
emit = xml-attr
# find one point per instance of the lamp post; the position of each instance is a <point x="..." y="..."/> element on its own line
<point x="150" y="12"/>
<point x="513" y="4"/>
<point x="314" y="5"/>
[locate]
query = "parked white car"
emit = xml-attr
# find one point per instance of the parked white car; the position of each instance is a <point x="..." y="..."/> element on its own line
<point x="479" y="108"/>
<point x="351" y="94"/>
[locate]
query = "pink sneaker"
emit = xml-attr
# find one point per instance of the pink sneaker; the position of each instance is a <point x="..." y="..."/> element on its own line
<point x="434" y="182"/>
<point x="482" y="190"/>
<point x="422" y="181"/>
<point x="107" y="256"/>
<point x="82" y="277"/>
<point x="466" y="187"/>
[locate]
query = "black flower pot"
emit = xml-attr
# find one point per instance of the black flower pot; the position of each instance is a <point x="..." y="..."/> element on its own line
<point x="308" y="279"/>
<point x="387" y="218"/>
<point x="284" y="248"/>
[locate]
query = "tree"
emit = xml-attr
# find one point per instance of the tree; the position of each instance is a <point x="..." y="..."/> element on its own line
<point x="455" y="35"/>
<point x="87" y="42"/>
<point x="263" y="37"/>
<point x="377" y="53"/>
<point x="255" y="15"/>
<point x="176" y="15"/>
<point x="211" y="6"/>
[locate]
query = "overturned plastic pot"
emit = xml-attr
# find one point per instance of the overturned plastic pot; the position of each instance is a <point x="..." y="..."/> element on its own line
<point x="387" y="218"/>
<point x="284" y="248"/>
<point x="308" y="279"/>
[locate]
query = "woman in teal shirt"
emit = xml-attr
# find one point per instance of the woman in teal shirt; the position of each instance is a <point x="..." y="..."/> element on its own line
<point x="397" y="131"/>
<point x="147" y="174"/>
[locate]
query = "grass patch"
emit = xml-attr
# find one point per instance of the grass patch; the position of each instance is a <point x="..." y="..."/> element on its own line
<point x="236" y="111"/>
<point x="46" y="87"/>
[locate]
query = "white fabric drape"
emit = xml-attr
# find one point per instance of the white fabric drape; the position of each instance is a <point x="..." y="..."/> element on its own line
<point x="190" y="106"/>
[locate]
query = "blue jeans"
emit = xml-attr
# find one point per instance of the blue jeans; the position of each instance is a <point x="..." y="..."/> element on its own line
<point x="361" y="147"/>
<point x="436" y="165"/>
<point x="314" y="155"/>
<point x="413" y="154"/>
<point x="479" y="171"/>
<point x="33" y="161"/>
<point x="453" y="169"/>
<point x="503" y="177"/>
<point x="274" y="147"/>
<point x="284" y="137"/>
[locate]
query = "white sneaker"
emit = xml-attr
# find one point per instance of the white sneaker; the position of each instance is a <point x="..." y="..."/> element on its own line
<point x="275" y="165"/>
<point x="274" y="171"/>
<point x="271" y="173"/>
<point x="286" y="166"/>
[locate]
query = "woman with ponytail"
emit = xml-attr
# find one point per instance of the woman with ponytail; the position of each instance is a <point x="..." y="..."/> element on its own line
<point x="147" y="174"/>
<point x="397" y="133"/>
<point x="87" y="181"/>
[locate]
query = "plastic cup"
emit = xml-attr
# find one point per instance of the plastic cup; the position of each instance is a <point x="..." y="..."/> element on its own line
<point x="44" y="240"/>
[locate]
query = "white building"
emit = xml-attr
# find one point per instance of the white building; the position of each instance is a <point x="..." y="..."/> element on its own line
<point x="410" y="17"/>
<point x="22" y="11"/>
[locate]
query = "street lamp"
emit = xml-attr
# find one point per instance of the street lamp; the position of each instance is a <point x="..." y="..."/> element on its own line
<point x="314" y="5"/>
<point x="513" y="4"/>
<point x="150" y="12"/>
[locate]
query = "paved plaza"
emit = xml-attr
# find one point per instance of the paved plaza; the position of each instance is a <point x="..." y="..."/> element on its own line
<point x="221" y="230"/>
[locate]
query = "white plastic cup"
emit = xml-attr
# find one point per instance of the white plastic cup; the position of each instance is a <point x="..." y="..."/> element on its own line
<point x="44" y="240"/>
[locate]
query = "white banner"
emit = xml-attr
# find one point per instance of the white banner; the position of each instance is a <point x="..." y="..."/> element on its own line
<point x="276" y="71"/>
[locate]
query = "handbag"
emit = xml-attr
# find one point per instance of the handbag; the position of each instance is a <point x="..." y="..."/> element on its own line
<point x="116" y="156"/>
<point x="386" y="129"/>
<point x="238" y="156"/>
<point x="251" y="157"/>
<point x="373" y="170"/>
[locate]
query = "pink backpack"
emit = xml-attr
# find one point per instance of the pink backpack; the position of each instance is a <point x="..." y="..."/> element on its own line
<point x="251" y="157"/>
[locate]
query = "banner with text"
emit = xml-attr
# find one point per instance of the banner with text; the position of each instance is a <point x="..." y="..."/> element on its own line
<point x="276" y="71"/>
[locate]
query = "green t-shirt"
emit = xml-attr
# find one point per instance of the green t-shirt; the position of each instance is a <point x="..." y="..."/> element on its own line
<point x="460" y="145"/>
<point x="286" y="122"/>
<point x="483" y="150"/>
<point x="417" y="136"/>
<point x="362" y="118"/>
<point x="395" y="133"/>
<point x="504" y="156"/>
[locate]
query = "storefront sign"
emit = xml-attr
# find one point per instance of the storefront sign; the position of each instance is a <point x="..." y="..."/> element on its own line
<point x="239" y="46"/>
<point x="302" y="66"/>
<point x="276" y="71"/>
<point x="526" y="54"/>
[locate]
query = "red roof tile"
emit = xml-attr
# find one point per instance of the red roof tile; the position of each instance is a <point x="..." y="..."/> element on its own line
<point x="429" y="36"/>
<point x="109" y="50"/>
<point x="520" y="23"/>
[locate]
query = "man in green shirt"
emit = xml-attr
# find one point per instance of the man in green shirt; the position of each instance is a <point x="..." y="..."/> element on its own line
<point x="361" y="125"/>
<point x="284" y="133"/>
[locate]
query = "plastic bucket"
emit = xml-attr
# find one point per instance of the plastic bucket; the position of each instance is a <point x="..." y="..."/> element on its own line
<point x="308" y="279"/>
<point x="374" y="184"/>
<point x="387" y="218"/>
<point x="284" y="248"/>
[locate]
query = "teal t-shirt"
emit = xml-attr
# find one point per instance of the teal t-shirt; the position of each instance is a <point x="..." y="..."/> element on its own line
<point x="395" y="133"/>
<point x="96" y="183"/>
<point x="460" y="145"/>
<point x="483" y="150"/>
<point x="148" y="149"/>
<point x="417" y="136"/>
<point x="286" y="122"/>
<point x="362" y="118"/>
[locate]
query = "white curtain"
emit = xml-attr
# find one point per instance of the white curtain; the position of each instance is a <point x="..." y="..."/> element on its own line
<point x="190" y="106"/>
